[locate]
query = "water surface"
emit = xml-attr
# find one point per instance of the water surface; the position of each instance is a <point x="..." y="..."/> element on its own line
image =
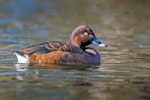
<point x="125" y="70"/>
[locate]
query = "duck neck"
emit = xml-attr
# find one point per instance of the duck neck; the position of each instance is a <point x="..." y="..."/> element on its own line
<point x="78" y="45"/>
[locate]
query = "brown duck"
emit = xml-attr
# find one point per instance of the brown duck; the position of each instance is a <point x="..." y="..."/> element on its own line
<point x="57" y="52"/>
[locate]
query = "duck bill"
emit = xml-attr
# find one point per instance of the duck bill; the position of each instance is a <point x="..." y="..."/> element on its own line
<point x="97" y="42"/>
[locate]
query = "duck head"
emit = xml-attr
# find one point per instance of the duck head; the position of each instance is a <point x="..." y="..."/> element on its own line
<point x="83" y="36"/>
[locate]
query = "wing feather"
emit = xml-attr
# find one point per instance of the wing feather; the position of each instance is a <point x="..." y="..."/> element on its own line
<point x="48" y="47"/>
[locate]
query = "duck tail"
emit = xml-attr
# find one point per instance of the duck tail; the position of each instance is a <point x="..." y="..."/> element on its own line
<point x="21" y="57"/>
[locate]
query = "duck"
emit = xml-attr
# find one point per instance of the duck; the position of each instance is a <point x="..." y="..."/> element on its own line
<point x="57" y="52"/>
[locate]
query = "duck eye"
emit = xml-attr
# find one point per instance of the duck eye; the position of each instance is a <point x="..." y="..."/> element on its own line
<point x="85" y="33"/>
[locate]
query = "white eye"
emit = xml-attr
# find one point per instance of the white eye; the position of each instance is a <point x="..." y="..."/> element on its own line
<point x="85" y="33"/>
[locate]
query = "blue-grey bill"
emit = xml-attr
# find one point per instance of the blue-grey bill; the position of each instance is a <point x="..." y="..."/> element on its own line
<point x="96" y="41"/>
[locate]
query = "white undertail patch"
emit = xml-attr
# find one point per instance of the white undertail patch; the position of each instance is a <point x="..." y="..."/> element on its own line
<point x="22" y="58"/>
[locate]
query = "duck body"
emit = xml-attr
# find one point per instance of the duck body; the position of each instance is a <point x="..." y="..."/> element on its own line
<point x="57" y="52"/>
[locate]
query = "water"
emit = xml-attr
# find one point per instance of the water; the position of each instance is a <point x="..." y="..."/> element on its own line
<point x="125" y="70"/>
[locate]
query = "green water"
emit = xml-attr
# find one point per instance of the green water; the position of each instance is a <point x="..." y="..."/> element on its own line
<point x="125" y="70"/>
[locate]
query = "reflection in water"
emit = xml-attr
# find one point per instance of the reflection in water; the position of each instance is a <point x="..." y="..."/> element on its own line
<point x="123" y="74"/>
<point x="21" y="66"/>
<point x="73" y="84"/>
<point x="104" y="84"/>
<point x="26" y="66"/>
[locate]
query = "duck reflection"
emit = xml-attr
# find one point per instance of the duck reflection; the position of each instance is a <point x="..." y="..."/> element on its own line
<point x="22" y="66"/>
<point x="27" y="66"/>
<point x="76" y="83"/>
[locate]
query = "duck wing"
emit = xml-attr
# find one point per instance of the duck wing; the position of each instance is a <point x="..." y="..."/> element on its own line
<point x="48" y="47"/>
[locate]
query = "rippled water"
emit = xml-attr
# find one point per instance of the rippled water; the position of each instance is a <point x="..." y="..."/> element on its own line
<point x="125" y="70"/>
